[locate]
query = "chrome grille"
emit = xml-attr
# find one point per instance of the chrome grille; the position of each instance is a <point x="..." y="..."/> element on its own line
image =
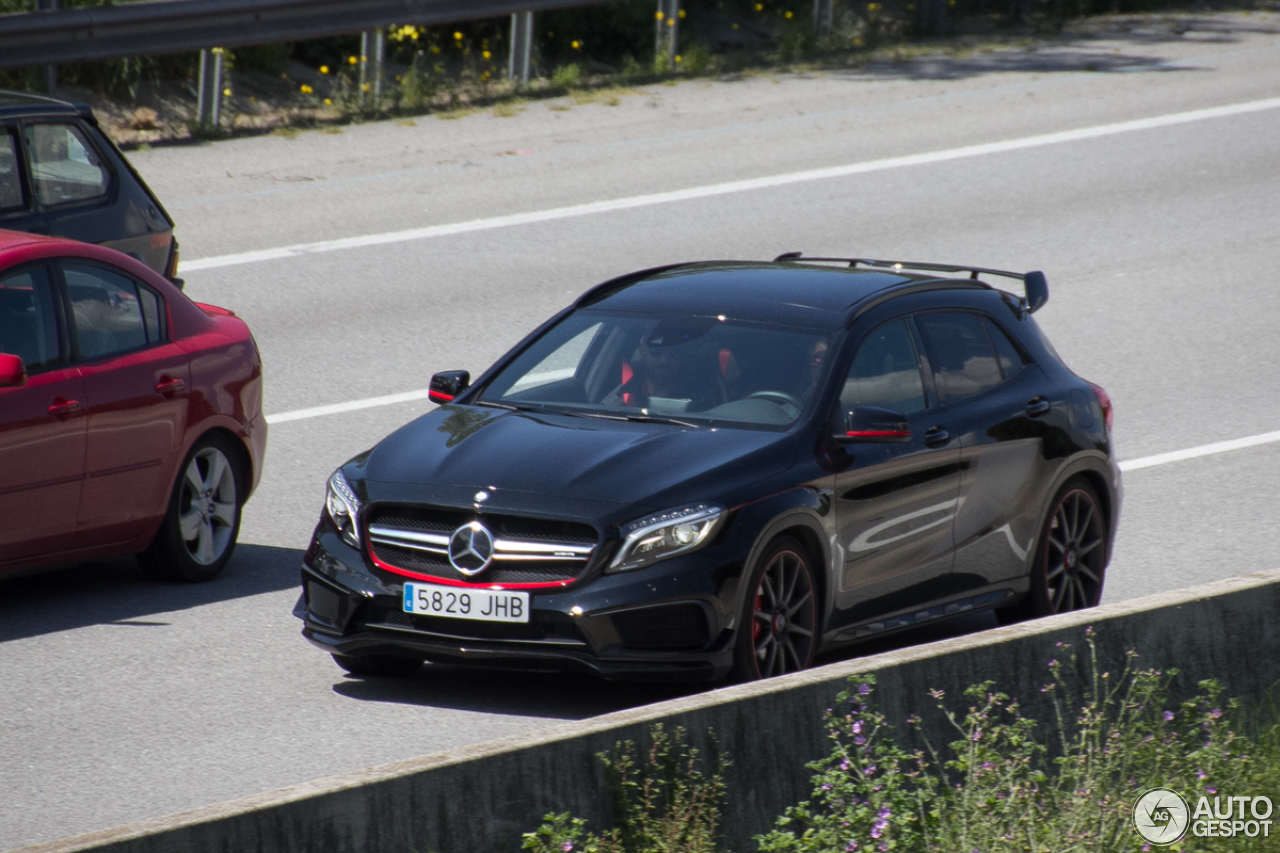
<point x="526" y="550"/>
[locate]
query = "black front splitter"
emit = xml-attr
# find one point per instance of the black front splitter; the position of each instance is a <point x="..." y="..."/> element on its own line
<point x="710" y="667"/>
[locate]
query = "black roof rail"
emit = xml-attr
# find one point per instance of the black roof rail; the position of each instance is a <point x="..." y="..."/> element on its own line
<point x="1037" y="287"/>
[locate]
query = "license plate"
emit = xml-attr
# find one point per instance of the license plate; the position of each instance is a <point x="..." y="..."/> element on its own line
<point x="484" y="605"/>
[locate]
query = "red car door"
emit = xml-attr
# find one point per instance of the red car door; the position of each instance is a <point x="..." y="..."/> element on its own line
<point x="136" y="393"/>
<point x="42" y="424"/>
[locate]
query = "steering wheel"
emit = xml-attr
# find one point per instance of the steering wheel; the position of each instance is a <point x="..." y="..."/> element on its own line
<point x="779" y="398"/>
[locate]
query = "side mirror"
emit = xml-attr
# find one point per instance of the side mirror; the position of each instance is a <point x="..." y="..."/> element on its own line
<point x="448" y="385"/>
<point x="12" y="371"/>
<point x="873" y="425"/>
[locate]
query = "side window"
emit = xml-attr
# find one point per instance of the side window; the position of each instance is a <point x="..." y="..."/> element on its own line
<point x="562" y="363"/>
<point x="64" y="165"/>
<point x="1010" y="359"/>
<point x="885" y="372"/>
<point x="10" y="182"/>
<point x="112" y="313"/>
<point x="28" y="325"/>
<point x="960" y="355"/>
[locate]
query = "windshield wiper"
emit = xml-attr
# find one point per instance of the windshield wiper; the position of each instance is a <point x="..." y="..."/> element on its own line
<point x="577" y="413"/>
<point x="652" y="419"/>
<point x="510" y="407"/>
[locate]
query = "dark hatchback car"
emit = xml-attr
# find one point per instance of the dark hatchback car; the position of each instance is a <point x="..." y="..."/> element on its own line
<point x="723" y="468"/>
<point x="61" y="175"/>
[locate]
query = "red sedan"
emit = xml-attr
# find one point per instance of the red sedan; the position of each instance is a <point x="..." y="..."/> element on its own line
<point x="130" y="416"/>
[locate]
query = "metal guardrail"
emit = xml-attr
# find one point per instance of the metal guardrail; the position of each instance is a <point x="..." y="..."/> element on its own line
<point x="174" y="26"/>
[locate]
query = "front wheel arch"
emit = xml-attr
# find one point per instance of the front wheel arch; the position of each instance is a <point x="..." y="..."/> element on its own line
<point x="778" y="630"/>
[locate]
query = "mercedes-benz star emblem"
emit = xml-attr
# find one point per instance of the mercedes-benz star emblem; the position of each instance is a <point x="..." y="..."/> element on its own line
<point x="471" y="548"/>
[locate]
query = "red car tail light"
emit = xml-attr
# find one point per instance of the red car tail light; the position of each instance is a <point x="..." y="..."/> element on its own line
<point x="1104" y="400"/>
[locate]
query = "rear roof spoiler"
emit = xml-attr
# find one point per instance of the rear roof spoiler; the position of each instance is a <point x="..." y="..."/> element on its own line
<point x="1035" y="285"/>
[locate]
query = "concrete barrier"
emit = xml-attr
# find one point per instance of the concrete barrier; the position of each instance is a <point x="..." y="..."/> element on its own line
<point x="481" y="798"/>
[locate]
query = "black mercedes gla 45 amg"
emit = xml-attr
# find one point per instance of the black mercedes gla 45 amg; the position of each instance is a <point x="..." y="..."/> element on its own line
<point x="723" y="468"/>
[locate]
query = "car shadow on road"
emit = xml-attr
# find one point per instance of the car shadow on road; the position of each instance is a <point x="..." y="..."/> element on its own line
<point x="566" y="696"/>
<point x="549" y="695"/>
<point x="1075" y="52"/>
<point x="117" y="592"/>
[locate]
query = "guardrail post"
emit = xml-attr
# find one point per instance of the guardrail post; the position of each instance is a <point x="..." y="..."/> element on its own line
<point x="373" y="48"/>
<point x="521" y="47"/>
<point x="667" y="41"/>
<point x="823" y="15"/>
<point x="50" y="71"/>
<point x="209" y="97"/>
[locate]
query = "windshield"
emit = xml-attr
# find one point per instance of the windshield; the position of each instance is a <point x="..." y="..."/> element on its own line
<point x="692" y="370"/>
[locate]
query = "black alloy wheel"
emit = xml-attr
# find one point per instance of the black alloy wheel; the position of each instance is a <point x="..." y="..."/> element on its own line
<point x="776" y="635"/>
<point x="1071" y="557"/>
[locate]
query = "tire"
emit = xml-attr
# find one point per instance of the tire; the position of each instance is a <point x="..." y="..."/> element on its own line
<point x="779" y="616"/>
<point x="378" y="666"/>
<point x="1071" y="557"/>
<point x="199" y="530"/>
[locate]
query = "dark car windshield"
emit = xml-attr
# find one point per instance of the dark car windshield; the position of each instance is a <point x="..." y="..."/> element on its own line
<point x="697" y="370"/>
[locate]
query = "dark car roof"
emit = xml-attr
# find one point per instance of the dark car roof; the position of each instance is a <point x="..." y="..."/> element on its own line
<point x="26" y="104"/>
<point x="789" y="293"/>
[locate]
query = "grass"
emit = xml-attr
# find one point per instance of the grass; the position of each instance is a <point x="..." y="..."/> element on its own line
<point x="664" y="801"/>
<point x="1008" y="783"/>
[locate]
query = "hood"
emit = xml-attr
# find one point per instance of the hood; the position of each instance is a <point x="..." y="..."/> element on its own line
<point x="584" y="459"/>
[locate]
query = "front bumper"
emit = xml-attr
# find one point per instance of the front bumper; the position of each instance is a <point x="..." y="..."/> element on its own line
<point x="672" y="620"/>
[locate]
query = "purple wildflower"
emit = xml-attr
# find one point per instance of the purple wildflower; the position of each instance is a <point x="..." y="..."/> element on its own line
<point x="1168" y="715"/>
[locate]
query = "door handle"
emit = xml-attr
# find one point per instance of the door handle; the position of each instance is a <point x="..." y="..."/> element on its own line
<point x="1038" y="406"/>
<point x="169" y="385"/>
<point x="62" y="407"/>
<point x="936" y="436"/>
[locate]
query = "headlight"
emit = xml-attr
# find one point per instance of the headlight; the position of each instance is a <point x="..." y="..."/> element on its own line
<point x="343" y="508"/>
<point x="665" y="534"/>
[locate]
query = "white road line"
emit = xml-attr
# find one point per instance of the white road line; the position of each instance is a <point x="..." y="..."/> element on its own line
<point x="351" y="406"/>
<point x="1129" y="465"/>
<point x="729" y="187"/>
<point x="1202" y="450"/>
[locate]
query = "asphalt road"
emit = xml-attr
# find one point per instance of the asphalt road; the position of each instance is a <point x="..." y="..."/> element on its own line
<point x="122" y="699"/>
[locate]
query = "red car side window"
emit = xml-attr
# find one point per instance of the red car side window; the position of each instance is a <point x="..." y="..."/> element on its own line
<point x="28" y="327"/>
<point x="111" y="312"/>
